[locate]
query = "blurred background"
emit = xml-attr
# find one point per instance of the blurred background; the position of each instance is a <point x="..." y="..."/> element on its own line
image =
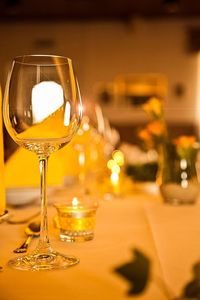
<point x="124" y="52"/>
<point x="112" y="42"/>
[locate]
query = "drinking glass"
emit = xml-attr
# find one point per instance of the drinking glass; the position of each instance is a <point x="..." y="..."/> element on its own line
<point x="89" y="145"/>
<point x="178" y="171"/>
<point x="42" y="111"/>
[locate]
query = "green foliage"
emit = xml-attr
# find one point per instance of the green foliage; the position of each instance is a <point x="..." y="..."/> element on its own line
<point x="143" y="172"/>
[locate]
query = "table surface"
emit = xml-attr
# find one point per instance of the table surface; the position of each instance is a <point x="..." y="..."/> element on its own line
<point x="167" y="236"/>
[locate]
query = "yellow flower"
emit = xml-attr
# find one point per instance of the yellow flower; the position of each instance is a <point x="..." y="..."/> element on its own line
<point x="153" y="106"/>
<point x="144" y="135"/>
<point x="185" y="141"/>
<point x="155" y="128"/>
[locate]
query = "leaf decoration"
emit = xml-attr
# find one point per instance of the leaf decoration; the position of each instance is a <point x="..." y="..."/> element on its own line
<point x="136" y="272"/>
<point x="192" y="288"/>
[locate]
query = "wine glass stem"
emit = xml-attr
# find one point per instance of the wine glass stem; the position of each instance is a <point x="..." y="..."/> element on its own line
<point x="44" y="244"/>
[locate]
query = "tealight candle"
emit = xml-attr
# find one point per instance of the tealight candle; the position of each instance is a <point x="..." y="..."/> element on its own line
<point x="2" y="187"/>
<point x="76" y="220"/>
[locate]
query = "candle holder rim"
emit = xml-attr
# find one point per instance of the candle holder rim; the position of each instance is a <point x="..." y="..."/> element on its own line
<point x="81" y="205"/>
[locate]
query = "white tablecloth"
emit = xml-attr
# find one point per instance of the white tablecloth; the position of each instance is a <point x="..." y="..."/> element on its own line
<point x="168" y="236"/>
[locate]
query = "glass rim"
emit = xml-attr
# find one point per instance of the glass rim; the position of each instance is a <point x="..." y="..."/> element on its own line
<point x="19" y="60"/>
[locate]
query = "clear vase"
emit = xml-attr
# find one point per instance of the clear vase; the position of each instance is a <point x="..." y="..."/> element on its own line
<point x="178" y="178"/>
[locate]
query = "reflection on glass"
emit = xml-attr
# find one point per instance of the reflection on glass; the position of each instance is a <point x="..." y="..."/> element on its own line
<point x="42" y="112"/>
<point x="52" y="97"/>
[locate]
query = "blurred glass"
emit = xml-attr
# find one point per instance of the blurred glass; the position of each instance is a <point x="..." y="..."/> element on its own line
<point x="90" y="145"/>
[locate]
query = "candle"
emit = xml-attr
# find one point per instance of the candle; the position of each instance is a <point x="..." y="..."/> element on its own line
<point x="76" y="220"/>
<point x="2" y="187"/>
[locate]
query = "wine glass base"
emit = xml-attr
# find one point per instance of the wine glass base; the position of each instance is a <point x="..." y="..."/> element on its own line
<point x="43" y="261"/>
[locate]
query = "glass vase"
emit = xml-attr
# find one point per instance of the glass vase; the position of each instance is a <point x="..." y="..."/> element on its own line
<point x="178" y="178"/>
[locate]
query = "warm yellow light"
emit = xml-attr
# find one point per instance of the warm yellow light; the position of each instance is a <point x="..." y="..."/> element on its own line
<point x="86" y="126"/>
<point x="110" y="164"/>
<point x="81" y="158"/>
<point x="183" y="164"/>
<point x="115" y="169"/>
<point x="47" y="97"/>
<point x="114" y="177"/>
<point x="184" y="183"/>
<point x="75" y="202"/>
<point x="118" y="157"/>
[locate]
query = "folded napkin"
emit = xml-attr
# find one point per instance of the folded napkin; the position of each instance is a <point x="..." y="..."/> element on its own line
<point x="176" y="232"/>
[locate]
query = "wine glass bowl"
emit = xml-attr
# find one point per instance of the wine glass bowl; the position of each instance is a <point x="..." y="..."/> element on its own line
<point x="43" y="94"/>
<point x="42" y="112"/>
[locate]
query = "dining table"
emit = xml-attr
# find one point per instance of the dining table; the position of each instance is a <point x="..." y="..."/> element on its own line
<point x="142" y="249"/>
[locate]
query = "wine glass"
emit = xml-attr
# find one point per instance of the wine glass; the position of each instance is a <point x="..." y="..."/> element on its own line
<point x="42" y="112"/>
<point x="89" y="145"/>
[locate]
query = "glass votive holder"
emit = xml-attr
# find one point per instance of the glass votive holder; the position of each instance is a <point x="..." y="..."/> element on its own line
<point x="76" y="219"/>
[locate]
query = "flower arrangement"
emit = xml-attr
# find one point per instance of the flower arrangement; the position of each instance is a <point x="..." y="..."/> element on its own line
<point x="154" y="108"/>
<point x="186" y="146"/>
<point x="155" y="136"/>
<point x="176" y="173"/>
<point x="155" y="132"/>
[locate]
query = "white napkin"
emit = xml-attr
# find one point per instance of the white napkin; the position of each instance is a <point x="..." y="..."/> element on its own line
<point x="176" y="233"/>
